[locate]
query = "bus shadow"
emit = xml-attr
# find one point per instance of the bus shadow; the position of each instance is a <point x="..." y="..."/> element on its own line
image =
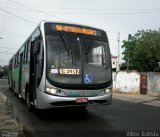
<point x="73" y="119"/>
<point x="63" y="114"/>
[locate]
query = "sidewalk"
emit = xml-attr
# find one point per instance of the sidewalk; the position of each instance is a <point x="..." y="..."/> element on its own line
<point x="143" y="99"/>
<point x="9" y="127"/>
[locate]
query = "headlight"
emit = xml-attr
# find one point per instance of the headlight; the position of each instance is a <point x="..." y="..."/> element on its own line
<point x="51" y="90"/>
<point x="108" y="91"/>
<point x="104" y="92"/>
<point x="54" y="91"/>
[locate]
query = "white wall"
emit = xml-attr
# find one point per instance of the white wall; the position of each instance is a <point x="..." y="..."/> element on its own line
<point x="126" y="82"/>
<point x="153" y="87"/>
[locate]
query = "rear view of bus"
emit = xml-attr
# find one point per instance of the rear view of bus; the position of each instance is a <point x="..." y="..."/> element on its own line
<point x="77" y="66"/>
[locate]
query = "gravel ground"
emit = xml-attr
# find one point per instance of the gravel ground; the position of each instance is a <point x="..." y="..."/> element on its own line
<point x="8" y="124"/>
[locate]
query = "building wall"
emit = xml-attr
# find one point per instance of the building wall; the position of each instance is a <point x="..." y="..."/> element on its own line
<point x="126" y="82"/>
<point x="153" y="87"/>
<point x="129" y="82"/>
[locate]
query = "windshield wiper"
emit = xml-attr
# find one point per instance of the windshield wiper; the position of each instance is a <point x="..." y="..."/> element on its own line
<point x="90" y="46"/>
<point x="63" y="36"/>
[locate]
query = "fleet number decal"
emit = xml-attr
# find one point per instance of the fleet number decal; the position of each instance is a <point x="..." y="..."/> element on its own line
<point x="69" y="71"/>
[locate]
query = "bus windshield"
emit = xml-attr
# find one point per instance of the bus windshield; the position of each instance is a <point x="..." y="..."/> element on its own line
<point x="78" y="61"/>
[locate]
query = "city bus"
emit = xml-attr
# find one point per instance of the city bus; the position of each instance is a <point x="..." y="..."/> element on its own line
<point x="62" y="65"/>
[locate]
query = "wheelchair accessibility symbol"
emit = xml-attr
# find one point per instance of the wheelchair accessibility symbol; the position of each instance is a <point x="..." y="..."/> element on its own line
<point x="88" y="78"/>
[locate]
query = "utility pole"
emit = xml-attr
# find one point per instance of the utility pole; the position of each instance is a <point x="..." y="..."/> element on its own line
<point x="128" y="63"/>
<point x="118" y="53"/>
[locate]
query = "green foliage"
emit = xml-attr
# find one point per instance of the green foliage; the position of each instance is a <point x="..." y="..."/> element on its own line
<point x="142" y="51"/>
<point x="5" y="71"/>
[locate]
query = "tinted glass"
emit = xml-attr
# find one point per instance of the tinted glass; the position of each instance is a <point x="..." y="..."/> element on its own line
<point x="72" y="60"/>
<point x="63" y="60"/>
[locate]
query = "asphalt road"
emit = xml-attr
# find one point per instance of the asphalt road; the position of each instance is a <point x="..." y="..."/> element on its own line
<point x="117" y="119"/>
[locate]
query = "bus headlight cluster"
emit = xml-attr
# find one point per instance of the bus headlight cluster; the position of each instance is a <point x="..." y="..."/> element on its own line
<point x="108" y="91"/>
<point x="105" y="92"/>
<point x="51" y="90"/>
<point x="54" y="91"/>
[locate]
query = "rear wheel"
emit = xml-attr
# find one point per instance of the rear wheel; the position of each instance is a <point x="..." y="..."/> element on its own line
<point x="15" y="94"/>
<point x="29" y="105"/>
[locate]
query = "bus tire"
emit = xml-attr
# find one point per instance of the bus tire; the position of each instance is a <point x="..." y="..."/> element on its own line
<point x="10" y="88"/>
<point x="14" y="92"/>
<point x="29" y="105"/>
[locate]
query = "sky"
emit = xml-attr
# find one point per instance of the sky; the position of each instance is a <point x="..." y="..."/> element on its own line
<point x="18" y="18"/>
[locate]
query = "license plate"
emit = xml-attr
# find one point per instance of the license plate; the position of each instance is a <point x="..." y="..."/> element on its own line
<point x="82" y="100"/>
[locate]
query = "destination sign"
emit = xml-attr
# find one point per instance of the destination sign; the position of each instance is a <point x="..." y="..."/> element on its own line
<point x="69" y="71"/>
<point x="75" y="29"/>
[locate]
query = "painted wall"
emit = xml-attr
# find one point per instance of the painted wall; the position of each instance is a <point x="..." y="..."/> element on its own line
<point x="126" y="82"/>
<point x="129" y="82"/>
<point x="153" y="87"/>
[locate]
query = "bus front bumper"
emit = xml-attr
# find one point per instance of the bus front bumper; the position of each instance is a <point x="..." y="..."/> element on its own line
<point x="46" y="101"/>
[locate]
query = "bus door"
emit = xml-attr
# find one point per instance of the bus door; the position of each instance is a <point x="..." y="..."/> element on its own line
<point x="20" y="74"/>
<point x="33" y="70"/>
<point x="11" y="75"/>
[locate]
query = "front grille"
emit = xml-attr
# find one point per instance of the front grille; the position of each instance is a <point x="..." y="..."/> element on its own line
<point x="67" y="103"/>
<point x="73" y="103"/>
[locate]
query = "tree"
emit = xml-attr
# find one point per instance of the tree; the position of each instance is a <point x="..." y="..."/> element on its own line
<point x="142" y="50"/>
<point x="4" y="71"/>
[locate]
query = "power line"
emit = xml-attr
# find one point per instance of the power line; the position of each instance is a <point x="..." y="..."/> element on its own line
<point x="4" y="52"/>
<point x="31" y="9"/>
<point x="8" y="48"/>
<point x="18" y="16"/>
<point x="100" y="13"/>
<point x="99" y="9"/>
<point x="48" y="12"/>
<point x="4" y="21"/>
<point x="3" y="60"/>
<point x="96" y="9"/>
<point x="13" y="35"/>
<point x="87" y="8"/>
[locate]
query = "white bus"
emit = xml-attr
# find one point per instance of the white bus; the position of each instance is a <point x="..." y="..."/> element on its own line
<point x="62" y="65"/>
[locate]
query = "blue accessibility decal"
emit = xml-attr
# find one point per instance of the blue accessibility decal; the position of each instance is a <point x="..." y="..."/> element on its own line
<point x="88" y="78"/>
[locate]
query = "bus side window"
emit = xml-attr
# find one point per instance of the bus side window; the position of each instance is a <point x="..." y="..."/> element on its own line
<point x="15" y="61"/>
<point x="24" y="55"/>
<point x="18" y="59"/>
<point x="28" y="51"/>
